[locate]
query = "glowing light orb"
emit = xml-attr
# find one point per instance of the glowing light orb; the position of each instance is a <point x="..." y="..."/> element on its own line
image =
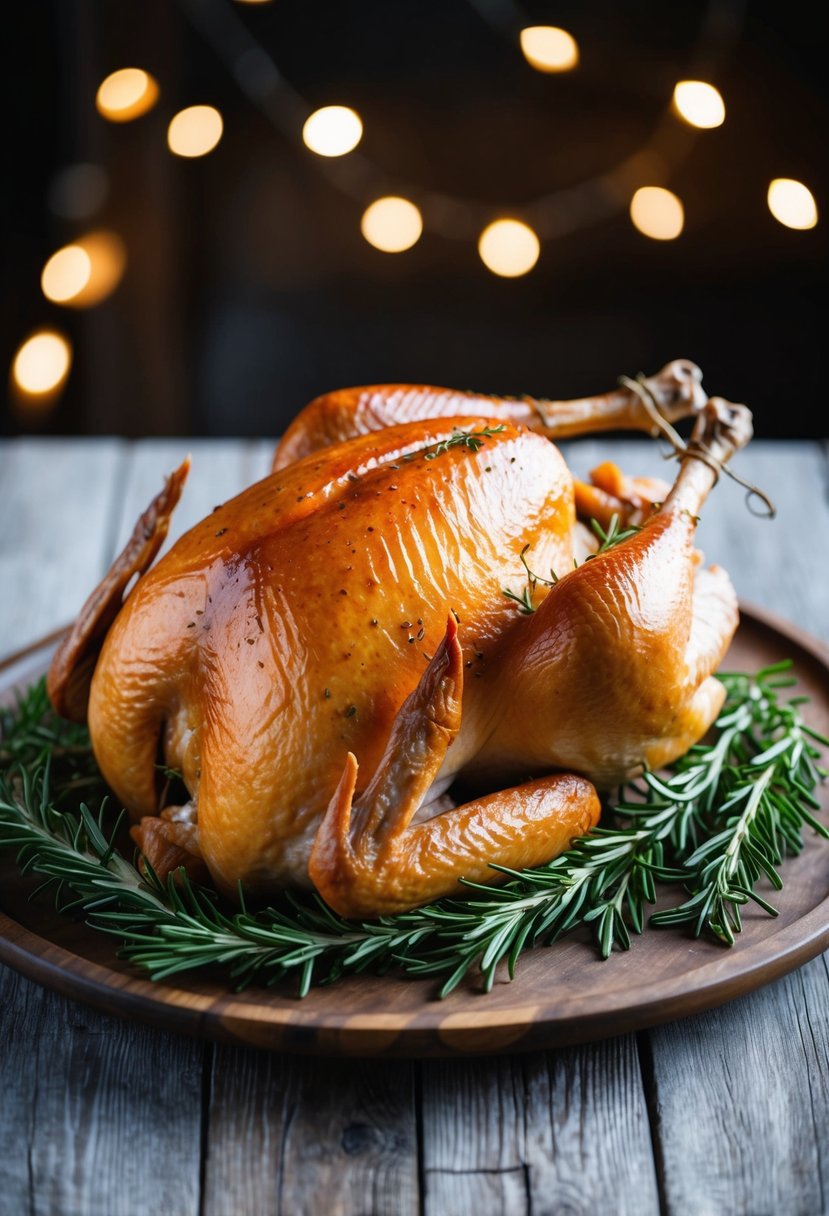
<point x="700" y="104"/>
<point x="657" y="213"/>
<point x="126" y="94"/>
<point x="85" y="273"/>
<point x="195" y="131"/>
<point x="392" y="224"/>
<point x="66" y="274"/>
<point x="508" y="248"/>
<point x="549" y="49"/>
<point x="42" y="363"/>
<point x="332" y="131"/>
<point x="792" y="204"/>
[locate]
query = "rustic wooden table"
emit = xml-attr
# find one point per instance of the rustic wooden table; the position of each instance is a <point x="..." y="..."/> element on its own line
<point x="726" y="1112"/>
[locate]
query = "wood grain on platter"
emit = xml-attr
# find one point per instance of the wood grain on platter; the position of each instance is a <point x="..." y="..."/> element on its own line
<point x="561" y="995"/>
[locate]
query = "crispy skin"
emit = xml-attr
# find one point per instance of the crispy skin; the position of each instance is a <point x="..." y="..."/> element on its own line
<point x="288" y="628"/>
<point x="293" y="656"/>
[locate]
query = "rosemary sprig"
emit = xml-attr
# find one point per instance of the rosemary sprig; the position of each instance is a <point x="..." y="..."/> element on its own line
<point x="764" y="800"/>
<point x="726" y="815"/>
<point x="613" y="536"/>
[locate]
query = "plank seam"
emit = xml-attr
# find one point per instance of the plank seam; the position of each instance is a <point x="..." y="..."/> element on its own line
<point x="31" y="1137"/>
<point x="204" y="1126"/>
<point x="528" y="1193"/>
<point x="290" y="1117"/>
<point x="816" y="1128"/>
<point x="421" y="1159"/>
<point x="647" y="1069"/>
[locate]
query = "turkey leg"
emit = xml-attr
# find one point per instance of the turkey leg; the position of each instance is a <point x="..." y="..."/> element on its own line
<point x="616" y="663"/>
<point x="334" y="417"/>
<point x="369" y="859"/>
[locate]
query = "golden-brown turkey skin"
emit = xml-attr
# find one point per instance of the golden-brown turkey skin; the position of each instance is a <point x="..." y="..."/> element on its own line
<point x="614" y="665"/>
<point x="287" y="629"/>
<point x="327" y="651"/>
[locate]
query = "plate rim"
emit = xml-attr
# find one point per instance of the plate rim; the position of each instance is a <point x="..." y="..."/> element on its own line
<point x="291" y="1024"/>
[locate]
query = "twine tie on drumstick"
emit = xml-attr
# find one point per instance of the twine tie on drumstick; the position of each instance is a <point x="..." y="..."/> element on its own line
<point x="695" y="448"/>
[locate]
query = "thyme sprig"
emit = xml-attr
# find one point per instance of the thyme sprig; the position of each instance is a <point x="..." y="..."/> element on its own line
<point x="525" y="599"/>
<point x="472" y="440"/>
<point x="608" y="539"/>
<point x="723" y="818"/>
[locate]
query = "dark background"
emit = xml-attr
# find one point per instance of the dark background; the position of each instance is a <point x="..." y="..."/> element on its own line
<point x="249" y="288"/>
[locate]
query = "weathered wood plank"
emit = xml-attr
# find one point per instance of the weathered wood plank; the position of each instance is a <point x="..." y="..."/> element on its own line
<point x="563" y="1131"/>
<point x="302" y="1137"/>
<point x="742" y="1102"/>
<point x="56" y="504"/>
<point x="99" y="1117"/>
<point x="741" y="1094"/>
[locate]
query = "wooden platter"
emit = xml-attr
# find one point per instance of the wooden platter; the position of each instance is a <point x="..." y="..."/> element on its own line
<point x="561" y="995"/>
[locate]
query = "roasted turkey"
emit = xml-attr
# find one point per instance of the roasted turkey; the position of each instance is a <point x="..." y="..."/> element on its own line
<point x="330" y="655"/>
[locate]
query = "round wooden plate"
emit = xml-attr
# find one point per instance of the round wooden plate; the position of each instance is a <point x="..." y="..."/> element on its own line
<point x="561" y="995"/>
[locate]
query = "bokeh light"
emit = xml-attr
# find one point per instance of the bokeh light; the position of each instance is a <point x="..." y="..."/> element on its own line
<point x="194" y="131"/>
<point x="86" y="272"/>
<point x="392" y="224"/>
<point x="508" y="248"/>
<point x="332" y="131"/>
<point x="657" y="213"/>
<point x="66" y="274"/>
<point x="792" y="204"/>
<point x="700" y="104"/>
<point x="42" y="363"/>
<point x="549" y="49"/>
<point x="126" y="94"/>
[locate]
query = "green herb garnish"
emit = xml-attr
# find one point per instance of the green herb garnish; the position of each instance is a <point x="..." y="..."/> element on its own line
<point x="473" y="440"/>
<point x="607" y="540"/>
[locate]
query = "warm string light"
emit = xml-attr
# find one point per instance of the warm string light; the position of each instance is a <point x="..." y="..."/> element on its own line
<point x="549" y="49"/>
<point x="126" y="94"/>
<point x="66" y="274"/>
<point x="700" y="104"/>
<point x="546" y="48"/>
<point x="41" y="365"/>
<point x="792" y="204"/>
<point x="195" y="131"/>
<point x="332" y="131"/>
<point x="657" y="213"/>
<point x="392" y="224"/>
<point x="508" y="248"/>
<point x="86" y="272"/>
